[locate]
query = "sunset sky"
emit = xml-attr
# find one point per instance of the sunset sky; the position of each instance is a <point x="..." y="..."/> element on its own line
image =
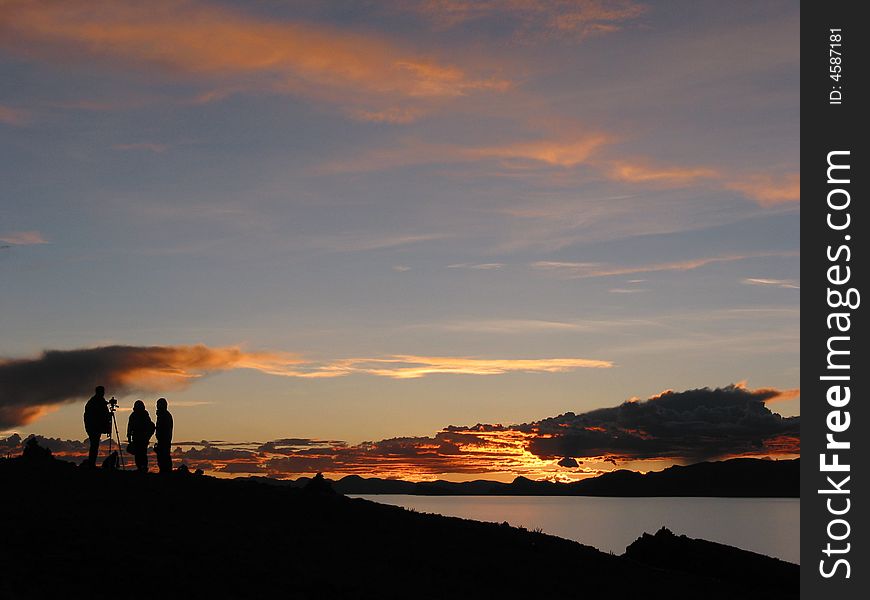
<point x="321" y="224"/>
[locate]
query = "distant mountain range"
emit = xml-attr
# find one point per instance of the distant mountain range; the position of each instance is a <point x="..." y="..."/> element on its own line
<point x="735" y="478"/>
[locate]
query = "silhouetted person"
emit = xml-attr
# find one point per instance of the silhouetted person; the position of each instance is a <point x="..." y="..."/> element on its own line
<point x="163" y="447"/>
<point x="98" y="420"/>
<point x="140" y="428"/>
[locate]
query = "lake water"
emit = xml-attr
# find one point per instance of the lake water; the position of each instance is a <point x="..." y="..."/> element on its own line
<point x="769" y="526"/>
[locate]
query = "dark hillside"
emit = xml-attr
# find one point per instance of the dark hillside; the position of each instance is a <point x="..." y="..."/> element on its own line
<point x="76" y="533"/>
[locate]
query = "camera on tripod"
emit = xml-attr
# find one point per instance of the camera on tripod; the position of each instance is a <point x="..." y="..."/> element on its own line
<point x="115" y="459"/>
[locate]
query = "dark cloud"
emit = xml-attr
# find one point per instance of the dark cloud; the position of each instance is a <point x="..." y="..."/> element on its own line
<point x="213" y="453"/>
<point x="31" y="386"/>
<point x="286" y="445"/>
<point x="59" y="446"/>
<point x="11" y="446"/>
<point x="679" y="426"/>
<point x="240" y="467"/>
<point x="69" y="449"/>
<point x="691" y="425"/>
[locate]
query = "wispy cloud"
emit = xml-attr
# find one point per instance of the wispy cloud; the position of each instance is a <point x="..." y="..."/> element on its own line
<point x="147" y="146"/>
<point x="353" y="242"/>
<point x="568" y="159"/>
<point x="568" y="152"/>
<point x="782" y="283"/>
<point x="564" y="151"/>
<point x="393" y="115"/>
<point x="413" y="367"/>
<point x="23" y="238"/>
<point x="228" y="49"/>
<point x="477" y="266"/>
<point x="643" y="171"/>
<point x="582" y="270"/>
<point x="627" y="290"/>
<point x="532" y="326"/>
<point x="14" y="116"/>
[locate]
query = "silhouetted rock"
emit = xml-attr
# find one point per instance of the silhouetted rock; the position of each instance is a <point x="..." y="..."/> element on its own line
<point x="112" y="461"/>
<point x="33" y="452"/>
<point x="318" y="485"/>
<point x="754" y="575"/>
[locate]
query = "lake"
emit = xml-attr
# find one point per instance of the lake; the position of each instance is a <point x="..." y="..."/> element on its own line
<point x="769" y="526"/>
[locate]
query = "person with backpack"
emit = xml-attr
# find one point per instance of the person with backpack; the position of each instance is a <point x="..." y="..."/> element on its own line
<point x="163" y="446"/>
<point x="98" y="420"/>
<point x="140" y="428"/>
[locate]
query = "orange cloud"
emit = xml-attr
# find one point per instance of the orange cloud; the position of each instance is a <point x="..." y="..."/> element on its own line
<point x="242" y="52"/>
<point x="531" y="19"/>
<point x="769" y="190"/>
<point x="644" y="172"/>
<point x="590" y="149"/>
<point x="23" y="238"/>
<point x="780" y="395"/>
<point x="395" y="115"/>
<point x="412" y="367"/>
<point x="562" y="153"/>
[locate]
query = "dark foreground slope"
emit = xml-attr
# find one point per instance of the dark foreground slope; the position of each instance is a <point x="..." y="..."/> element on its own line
<point x="75" y="533"/>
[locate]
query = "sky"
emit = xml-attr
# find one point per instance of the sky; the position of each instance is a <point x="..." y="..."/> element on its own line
<point x="344" y="224"/>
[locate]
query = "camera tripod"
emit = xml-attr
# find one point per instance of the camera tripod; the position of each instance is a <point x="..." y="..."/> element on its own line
<point x="113" y="406"/>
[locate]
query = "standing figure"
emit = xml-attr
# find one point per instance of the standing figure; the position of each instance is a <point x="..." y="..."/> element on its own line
<point x="140" y="428"/>
<point x="163" y="446"/>
<point x="98" y="420"/>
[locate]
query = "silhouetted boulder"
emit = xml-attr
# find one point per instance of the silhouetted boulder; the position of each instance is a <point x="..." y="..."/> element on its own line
<point x="753" y="574"/>
<point x="319" y="485"/>
<point x="33" y="452"/>
<point x="111" y="462"/>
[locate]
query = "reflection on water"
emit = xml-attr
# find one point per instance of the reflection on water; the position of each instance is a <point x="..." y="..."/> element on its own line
<point x="767" y="525"/>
